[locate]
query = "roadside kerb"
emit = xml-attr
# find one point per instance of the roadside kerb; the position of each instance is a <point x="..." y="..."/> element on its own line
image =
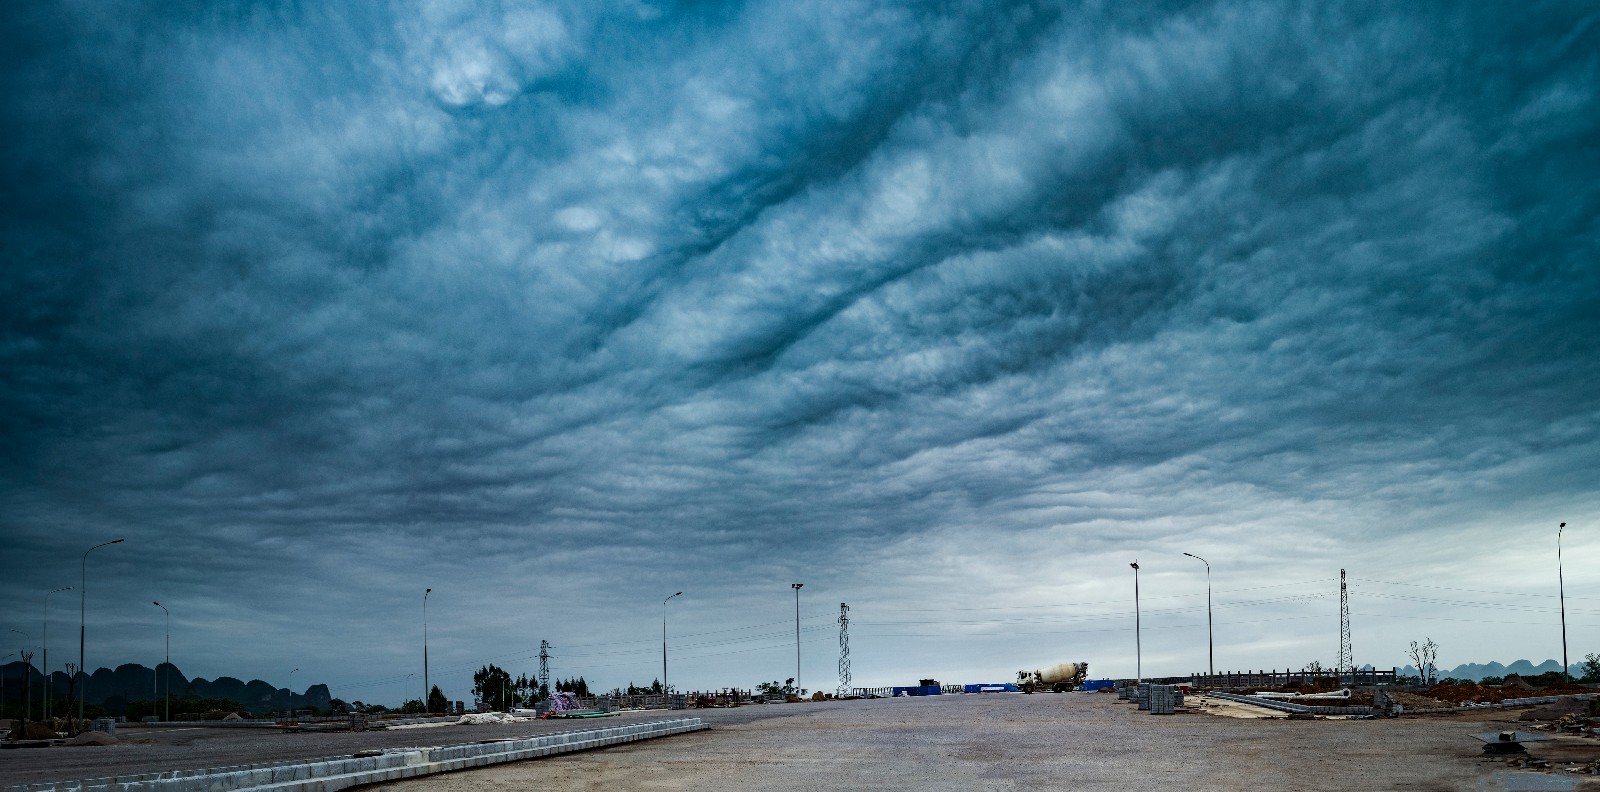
<point x="328" y="775"/>
<point x="267" y="723"/>
<point x="1284" y="706"/>
<point x="1506" y="704"/>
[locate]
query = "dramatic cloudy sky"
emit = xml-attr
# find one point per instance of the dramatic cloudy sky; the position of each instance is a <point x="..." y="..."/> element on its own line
<point x="949" y="311"/>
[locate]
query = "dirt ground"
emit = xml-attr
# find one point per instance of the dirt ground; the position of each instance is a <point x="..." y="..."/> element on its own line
<point x="1010" y="742"/>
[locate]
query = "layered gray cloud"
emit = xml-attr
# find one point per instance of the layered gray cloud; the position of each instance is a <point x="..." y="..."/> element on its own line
<point x="949" y="312"/>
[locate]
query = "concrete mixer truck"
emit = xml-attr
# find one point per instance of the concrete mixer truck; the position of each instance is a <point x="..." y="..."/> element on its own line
<point x="1058" y="678"/>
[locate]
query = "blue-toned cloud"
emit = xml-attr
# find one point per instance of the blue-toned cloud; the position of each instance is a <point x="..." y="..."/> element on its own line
<point x="561" y="308"/>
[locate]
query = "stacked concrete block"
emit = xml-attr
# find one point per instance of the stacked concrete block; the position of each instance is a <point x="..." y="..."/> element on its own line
<point x="1144" y="695"/>
<point x="1161" y="699"/>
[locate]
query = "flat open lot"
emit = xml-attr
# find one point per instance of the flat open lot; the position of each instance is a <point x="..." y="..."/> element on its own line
<point x="988" y="742"/>
<point x="149" y="750"/>
<point x="1005" y="742"/>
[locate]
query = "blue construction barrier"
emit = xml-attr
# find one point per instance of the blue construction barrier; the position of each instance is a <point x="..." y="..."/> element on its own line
<point x="997" y="687"/>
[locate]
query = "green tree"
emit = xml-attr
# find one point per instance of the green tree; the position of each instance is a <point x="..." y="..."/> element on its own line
<point x="577" y="686"/>
<point x="491" y="686"/>
<point x="436" y="700"/>
<point x="411" y="707"/>
<point x="1591" y="668"/>
<point x="775" y="689"/>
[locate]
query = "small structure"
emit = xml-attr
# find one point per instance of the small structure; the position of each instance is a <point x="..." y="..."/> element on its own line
<point x="1507" y="742"/>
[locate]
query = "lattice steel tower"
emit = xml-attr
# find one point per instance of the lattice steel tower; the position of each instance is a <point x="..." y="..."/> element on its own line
<point x="1346" y="664"/>
<point x="544" y="665"/>
<point x="844" y="650"/>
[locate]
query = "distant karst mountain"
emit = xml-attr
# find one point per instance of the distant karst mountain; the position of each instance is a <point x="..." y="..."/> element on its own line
<point x="1477" y="671"/>
<point x="111" y="688"/>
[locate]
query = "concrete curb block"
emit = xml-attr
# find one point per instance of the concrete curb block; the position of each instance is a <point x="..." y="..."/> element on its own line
<point x="1285" y="706"/>
<point x="332" y="774"/>
<point x="1508" y="703"/>
<point x="273" y="724"/>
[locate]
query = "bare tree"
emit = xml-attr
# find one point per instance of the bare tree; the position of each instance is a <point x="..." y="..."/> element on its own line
<point x="1424" y="657"/>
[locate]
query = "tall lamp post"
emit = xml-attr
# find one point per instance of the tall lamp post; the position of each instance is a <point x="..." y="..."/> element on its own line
<point x="796" y="587"/>
<point x="1561" y="580"/>
<point x="166" y="667"/>
<point x="425" y="689"/>
<point x="289" y="702"/>
<point x="83" y="618"/>
<point x="1138" y="650"/>
<point x="1211" y="647"/>
<point x="664" y="688"/>
<point x="45" y="640"/>
<point x="27" y="689"/>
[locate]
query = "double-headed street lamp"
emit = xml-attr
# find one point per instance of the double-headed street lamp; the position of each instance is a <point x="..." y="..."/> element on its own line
<point x="664" y="688"/>
<point x="45" y="641"/>
<point x="796" y="587"/>
<point x="166" y="668"/>
<point x="1211" y="648"/>
<point x="83" y="618"/>
<point x="1138" y="650"/>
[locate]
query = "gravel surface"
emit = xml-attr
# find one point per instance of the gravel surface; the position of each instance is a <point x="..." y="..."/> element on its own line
<point x="1005" y="742"/>
<point x="147" y="750"/>
<point x="988" y="742"/>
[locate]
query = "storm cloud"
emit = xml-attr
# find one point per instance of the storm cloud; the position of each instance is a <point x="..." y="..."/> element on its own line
<point x="948" y="310"/>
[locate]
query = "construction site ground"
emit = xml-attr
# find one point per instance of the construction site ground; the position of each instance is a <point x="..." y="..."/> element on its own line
<point x="983" y="742"/>
<point x="1045" y="741"/>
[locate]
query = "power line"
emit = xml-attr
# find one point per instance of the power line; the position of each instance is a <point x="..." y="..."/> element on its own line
<point x="1474" y="591"/>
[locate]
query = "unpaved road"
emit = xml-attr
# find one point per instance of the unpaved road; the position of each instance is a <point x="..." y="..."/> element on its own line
<point x="1006" y="742"/>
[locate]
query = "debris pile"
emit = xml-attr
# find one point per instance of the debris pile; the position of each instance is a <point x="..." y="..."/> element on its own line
<point x="485" y="718"/>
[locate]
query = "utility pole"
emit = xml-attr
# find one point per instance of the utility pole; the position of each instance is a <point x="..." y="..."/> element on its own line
<point x="796" y="587"/>
<point x="3" y="681"/>
<point x="27" y="670"/>
<point x="1138" y="649"/>
<point x="844" y="649"/>
<point x="425" y="689"/>
<point x="1346" y="662"/>
<point x="544" y="668"/>
<point x="1561" y="580"/>
<point x="45" y="663"/>
<point x="27" y="677"/>
<point x="166" y="668"/>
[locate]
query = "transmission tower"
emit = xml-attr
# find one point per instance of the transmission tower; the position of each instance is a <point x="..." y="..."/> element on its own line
<point x="1346" y="664"/>
<point x="544" y="665"/>
<point x="844" y="650"/>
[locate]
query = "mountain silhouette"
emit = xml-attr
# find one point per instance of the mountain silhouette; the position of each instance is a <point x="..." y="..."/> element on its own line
<point x="1477" y="671"/>
<point x="111" y="688"/>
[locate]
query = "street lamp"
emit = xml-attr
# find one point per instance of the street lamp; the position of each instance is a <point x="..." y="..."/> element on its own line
<point x="664" y="647"/>
<point x="83" y="617"/>
<point x="27" y="689"/>
<point x="166" y="667"/>
<point x="796" y="587"/>
<point x="45" y="664"/>
<point x="289" y="702"/>
<point x="1211" y="647"/>
<point x="425" y="689"/>
<point x="1561" y="581"/>
<point x="1138" y="651"/>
